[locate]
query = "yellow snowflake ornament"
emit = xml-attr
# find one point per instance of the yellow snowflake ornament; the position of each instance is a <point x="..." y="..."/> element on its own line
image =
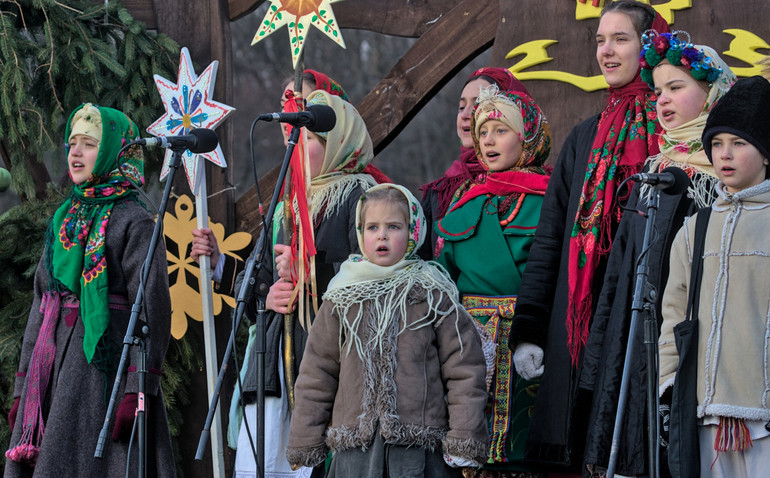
<point x="183" y="272"/>
<point x="298" y="15"/>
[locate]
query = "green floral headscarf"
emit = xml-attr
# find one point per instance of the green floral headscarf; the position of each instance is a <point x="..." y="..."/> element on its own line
<point x="77" y="242"/>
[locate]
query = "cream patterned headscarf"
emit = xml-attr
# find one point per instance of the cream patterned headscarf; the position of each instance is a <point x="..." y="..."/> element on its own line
<point x="387" y="289"/>
<point x="348" y="150"/>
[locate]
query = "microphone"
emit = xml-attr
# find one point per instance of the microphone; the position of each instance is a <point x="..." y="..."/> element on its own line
<point x="5" y="179"/>
<point x="317" y="118"/>
<point x="671" y="180"/>
<point x="200" y="140"/>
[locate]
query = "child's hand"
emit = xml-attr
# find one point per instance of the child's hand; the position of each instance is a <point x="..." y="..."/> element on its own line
<point x="278" y="297"/>
<point x="283" y="262"/>
<point x="204" y="244"/>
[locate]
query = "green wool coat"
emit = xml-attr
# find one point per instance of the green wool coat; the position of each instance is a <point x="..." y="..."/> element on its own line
<point x="485" y="258"/>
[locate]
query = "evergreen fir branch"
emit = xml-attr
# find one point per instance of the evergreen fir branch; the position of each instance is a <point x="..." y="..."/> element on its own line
<point x="54" y="57"/>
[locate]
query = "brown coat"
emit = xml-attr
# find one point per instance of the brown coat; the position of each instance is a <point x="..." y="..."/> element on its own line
<point x="426" y="388"/>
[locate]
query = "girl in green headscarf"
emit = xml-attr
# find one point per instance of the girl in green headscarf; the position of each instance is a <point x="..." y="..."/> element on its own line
<point x="87" y="278"/>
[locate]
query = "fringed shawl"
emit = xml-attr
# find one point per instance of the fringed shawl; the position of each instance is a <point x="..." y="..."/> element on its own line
<point x="364" y="284"/>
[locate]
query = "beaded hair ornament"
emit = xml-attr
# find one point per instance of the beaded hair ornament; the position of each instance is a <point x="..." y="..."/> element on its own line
<point x="667" y="46"/>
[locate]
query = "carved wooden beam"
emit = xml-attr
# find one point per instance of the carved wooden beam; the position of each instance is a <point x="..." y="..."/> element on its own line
<point x="426" y="67"/>
<point x="390" y="17"/>
<point x="240" y="8"/>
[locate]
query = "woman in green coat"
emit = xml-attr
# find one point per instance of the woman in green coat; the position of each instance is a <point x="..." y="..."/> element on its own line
<point x="484" y="242"/>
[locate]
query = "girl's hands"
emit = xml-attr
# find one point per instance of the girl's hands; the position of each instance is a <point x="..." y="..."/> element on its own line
<point x="204" y="244"/>
<point x="279" y="296"/>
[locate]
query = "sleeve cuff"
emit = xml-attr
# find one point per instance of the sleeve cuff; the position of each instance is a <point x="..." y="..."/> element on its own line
<point x="230" y="267"/>
<point x="529" y="325"/>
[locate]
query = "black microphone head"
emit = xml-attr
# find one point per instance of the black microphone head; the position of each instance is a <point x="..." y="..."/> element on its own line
<point x="207" y="140"/>
<point x="324" y="118"/>
<point x="681" y="181"/>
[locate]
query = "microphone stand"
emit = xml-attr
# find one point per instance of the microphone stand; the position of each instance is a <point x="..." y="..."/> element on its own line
<point x="644" y="300"/>
<point x="131" y="339"/>
<point x="253" y="264"/>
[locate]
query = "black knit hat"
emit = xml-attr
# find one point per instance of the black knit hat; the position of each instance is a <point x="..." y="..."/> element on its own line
<point x="743" y="111"/>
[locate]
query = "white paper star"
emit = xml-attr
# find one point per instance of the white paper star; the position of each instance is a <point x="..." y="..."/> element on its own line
<point x="299" y="15"/>
<point x="188" y="106"/>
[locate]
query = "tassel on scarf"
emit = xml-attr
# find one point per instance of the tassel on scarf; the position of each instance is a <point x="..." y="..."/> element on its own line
<point x="37" y="383"/>
<point x="732" y="435"/>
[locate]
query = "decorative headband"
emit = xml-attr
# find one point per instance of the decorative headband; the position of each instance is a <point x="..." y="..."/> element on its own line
<point x="667" y="46"/>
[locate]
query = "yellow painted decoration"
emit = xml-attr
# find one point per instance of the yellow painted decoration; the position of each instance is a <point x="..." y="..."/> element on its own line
<point x="185" y="297"/>
<point x="743" y="47"/>
<point x="585" y="11"/>
<point x="667" y="9"/>
<point x="535" y="54"/>
<point x="298" y="15"/>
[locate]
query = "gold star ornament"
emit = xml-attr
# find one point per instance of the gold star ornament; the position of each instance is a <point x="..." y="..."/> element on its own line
<point x="298" y="15"/>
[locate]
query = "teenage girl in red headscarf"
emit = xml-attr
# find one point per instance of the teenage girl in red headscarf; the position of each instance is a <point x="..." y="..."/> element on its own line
<point x="437" y="195"/>
<point x="579" y="218"/>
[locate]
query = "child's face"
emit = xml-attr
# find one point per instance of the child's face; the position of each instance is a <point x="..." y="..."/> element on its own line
<point x="316" y="149"/>
<point x="500" y="145"/>
<point x="680" y="96"/>
<point x="465" y="110"/>
<point x="385" y="234"/>
<point x="81" y="158"/>
<point x="737" y="162"/>
<point x="617" y="48"/>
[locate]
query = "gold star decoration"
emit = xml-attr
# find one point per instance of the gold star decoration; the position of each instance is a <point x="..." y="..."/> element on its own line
<point x="183" y="272"/>
<point x="298" y="15"/>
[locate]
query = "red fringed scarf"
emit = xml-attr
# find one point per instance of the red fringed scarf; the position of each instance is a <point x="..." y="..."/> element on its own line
<point x="626" y="136"/>
<point x="465" y="168"/>
<point x="505" y="183"/>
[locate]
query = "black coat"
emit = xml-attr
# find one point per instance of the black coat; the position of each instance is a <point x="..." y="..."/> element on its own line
<point x="429" y="203"/>
<point x="557" y="428"/>
<point x="604" y="356"/>
<point x="335" y="240"/>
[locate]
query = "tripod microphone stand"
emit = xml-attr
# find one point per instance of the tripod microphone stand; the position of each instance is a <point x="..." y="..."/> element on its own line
<point x="131" y="338"/>
<point x="251" y="271"/>
<point x="645" y="297"/>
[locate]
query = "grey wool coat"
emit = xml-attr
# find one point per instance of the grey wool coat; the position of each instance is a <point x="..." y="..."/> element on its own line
<point x="76" y="401"/>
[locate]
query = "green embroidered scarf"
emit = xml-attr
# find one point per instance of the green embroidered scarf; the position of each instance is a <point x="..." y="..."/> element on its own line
<point x="80" y="223"/>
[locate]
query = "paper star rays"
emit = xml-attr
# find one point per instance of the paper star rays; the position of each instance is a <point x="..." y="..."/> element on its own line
<point x="188" y="106"/>
<point x="298" y="15"/>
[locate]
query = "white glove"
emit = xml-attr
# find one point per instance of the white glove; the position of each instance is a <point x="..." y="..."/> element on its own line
<point x="528" y="359"/>
<point x="459" y="462"/>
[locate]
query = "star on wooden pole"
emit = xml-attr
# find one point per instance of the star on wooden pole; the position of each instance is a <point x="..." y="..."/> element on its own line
<point x="298" y="15"/>
<point x="188" y="106"/>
